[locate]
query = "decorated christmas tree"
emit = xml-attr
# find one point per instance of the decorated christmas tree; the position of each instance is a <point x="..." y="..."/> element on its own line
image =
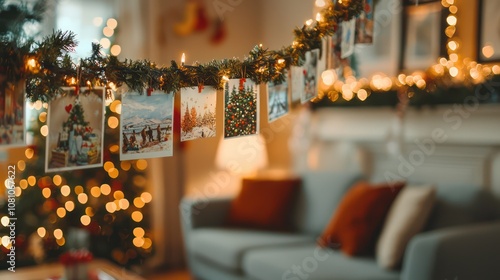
<point x="103" y="209"/>
<point x="107" y="206"/>
<point x="241" y="111"/>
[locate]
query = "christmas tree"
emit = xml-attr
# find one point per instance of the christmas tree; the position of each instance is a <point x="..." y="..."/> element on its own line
<point x="76" y="115"/>
<point x="240" y="111"/>
<point x="187" y="123"/>
<point x="109" y="204"/>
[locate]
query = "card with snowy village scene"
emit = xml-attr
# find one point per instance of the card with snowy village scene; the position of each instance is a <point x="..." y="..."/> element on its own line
<point x="278" y="103"/>
<point x="12" y="132"/>
<point x="146" y="126"/>
<point x="198" y="113"/>
<point x="241" y="111"/>
<point x="76" y="130"/>
<point x="310" y="86"/>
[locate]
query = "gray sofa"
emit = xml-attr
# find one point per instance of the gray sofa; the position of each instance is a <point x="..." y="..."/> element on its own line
<point x="461" y="240"/>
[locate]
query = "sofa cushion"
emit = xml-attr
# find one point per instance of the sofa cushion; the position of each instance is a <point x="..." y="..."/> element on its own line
<point x="407" y="217"/>
<point x="225" y="247"/>
<point x="318" y="198"/>
<point x="264" y="203"/>
<point x="311" y="262"/>
<point x="356" y="223"/>
<point x="460" y="205"/>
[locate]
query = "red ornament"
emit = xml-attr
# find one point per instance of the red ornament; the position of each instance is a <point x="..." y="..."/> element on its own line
<point x="68" y="108"/>
<point x="149" y="91"/>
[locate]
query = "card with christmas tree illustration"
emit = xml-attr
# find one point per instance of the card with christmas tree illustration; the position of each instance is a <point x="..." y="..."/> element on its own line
<point x="76" y="130"/>
<point x="198" y="107"/>
<point x="146" y="126"/>
<point x="241" y="112"/>
<point x="310" y="75"/>
<point x="12" y="132"/>
<point x="278" y="103"/>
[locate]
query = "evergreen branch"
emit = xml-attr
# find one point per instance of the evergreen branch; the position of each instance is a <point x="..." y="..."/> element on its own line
<point x="261" y="65"/>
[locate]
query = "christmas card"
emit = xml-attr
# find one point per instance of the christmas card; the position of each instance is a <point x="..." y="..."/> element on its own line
<point x="297" y="82"/>
<point x="310" y="73"/>
<point x="198" y="113"/>
<point x="12" y="118"/>
<point x="278" y="103"/>
<point x="146" y="126"/>
<point x="241" y="112"/>
<point x="365" y="24"/>
<point x="76" y="130"/>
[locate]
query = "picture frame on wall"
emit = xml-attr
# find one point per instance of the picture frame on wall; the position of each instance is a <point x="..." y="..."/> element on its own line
<point x="423" y="36"/>
<point x="488" y="45"/>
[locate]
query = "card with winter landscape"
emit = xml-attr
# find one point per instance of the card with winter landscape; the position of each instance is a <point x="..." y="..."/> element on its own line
<point x="310" y="86"/>
<point x="241" y="111"/>
<point x="75" y="130"/>
<point x="12" y="132"/>
<point x="146" y="127"/>
<point x="278" y="103"/>
<point x="198" y="113"/>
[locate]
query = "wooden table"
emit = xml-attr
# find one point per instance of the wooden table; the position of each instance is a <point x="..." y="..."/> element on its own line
<point x="52" y="271"/>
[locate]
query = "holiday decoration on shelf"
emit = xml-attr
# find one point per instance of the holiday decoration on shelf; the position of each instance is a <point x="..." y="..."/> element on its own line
<point x="198" y="109"/>
<point x="241" y="115"/>
<point x="146" y="125"/>
<point x="75" y="135"/>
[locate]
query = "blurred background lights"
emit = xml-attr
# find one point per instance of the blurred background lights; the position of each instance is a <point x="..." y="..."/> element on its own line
<point x="97" y="21"/>
<point x="112" y="23"/>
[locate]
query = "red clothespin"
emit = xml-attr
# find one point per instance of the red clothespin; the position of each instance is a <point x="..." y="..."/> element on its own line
<point x="201" y="86"/>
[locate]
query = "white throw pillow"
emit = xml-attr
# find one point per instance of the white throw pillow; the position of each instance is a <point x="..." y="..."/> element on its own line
<point x="406" y="218"/>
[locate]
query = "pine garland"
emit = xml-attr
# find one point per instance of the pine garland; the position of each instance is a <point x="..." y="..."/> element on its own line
<point x="54" y="68"/>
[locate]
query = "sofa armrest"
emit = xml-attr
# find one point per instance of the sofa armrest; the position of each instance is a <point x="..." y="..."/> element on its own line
<point x="203" y="212"/>
<point x="465" y="252"/>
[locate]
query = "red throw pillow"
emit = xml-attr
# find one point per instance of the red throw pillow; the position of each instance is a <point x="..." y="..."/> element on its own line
<point x="359" y="217"/>
<point x="264" y="204"/>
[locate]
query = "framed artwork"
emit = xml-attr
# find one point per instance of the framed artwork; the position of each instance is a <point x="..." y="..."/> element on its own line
<point x="423" y="35"/>
<point x="488" y="31"/>
<point x="146" y="126"/>
<point x="76" y="130"/>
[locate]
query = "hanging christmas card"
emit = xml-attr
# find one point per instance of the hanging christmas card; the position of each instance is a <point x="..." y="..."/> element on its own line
<point x="297" y="80"/>
<point x="365" y="24"/>
<point x="12" y="118"/>
<point x="310" y="73"/>
<point x="198" y="113"/>
<point x="76" y="130"/>
<point x="277" y="101"/>
<point x="348" y="34"/>
<point x="146" y="125"/>
<point x="241" y="113"/>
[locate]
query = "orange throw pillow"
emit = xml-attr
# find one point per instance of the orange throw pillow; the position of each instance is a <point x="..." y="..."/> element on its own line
<point x="359" y="218"/>
<point x="264" y="204"/>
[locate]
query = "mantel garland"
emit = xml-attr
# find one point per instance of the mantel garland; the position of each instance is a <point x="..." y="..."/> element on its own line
<point x="47" y="65"/>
